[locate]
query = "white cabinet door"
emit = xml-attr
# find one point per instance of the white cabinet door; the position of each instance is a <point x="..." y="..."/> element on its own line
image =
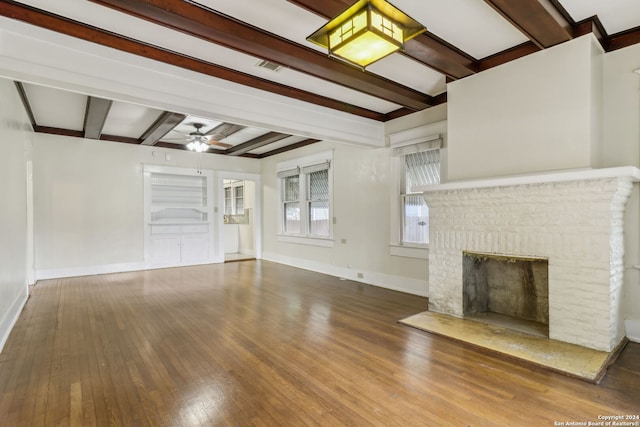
<point x="195" y="248"/>
<point x="165" y="250"/>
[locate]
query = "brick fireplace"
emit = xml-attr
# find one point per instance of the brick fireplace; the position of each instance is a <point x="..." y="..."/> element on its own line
<point x="574" y="220"/>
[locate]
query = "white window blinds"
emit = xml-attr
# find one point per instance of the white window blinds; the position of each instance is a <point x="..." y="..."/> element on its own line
<point x="422" y="168"/>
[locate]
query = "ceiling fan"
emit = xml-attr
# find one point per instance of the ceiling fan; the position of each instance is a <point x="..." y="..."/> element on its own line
<point x="200" y="141"/>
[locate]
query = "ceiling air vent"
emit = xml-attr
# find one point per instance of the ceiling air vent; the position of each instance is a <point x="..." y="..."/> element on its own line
<point x="269" y="65"/>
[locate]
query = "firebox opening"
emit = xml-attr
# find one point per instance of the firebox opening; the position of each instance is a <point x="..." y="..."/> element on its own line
<point x="509" y="291"/>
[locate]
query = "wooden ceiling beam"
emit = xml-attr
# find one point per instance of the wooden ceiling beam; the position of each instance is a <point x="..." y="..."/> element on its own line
<point x="95" y="116"/>
<point x="622" y="39"/>
<point x="288" y="148"/>
<point x="210" y="25"/>
<point x="118" y="138"/>
<point x="161" y="127"/>
<point x="63" y="25"/>
<point x="539" y="20"/>
<point x="26" y="104"/>
<point x="258" y="142"/>
<point x="426" y="47"/>
<point x="508" y="55"/>
<point x="59" y="131"/>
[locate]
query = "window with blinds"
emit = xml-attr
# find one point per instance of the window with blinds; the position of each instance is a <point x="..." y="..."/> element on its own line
<point x="318" y="202"/>
<point x="420" y="168"/>
<point x="306" y="200"/>
<point x="291" y="201"/>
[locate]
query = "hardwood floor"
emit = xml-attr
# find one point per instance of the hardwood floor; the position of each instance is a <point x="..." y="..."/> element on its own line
<point x="258" y="343"/>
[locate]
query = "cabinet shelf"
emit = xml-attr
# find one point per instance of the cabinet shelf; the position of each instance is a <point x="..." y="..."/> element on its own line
<point x="184" y="207"/>
<point x="174" y="222"/>
<point x="158" y="195"/>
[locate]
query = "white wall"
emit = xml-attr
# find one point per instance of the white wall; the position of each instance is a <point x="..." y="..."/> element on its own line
<point x="89" y="201"/>
<point x="361" y="186"/>
<point x="529" y="115"/>
<point x="15" y="138"/>
<point x="621" y="130"/>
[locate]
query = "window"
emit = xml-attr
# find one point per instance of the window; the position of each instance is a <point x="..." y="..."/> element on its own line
<point x="291" y="201"/>
<point x="305" y="198"/>
<point x="233" y="197"/>
<point x="421" y="168"/>
<point x="228" y="204"/>
<point x="318" y="203"/>
<point x="239" y="199"/>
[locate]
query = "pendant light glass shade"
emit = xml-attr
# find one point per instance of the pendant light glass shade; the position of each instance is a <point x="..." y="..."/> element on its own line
<point x="367" y="32"/>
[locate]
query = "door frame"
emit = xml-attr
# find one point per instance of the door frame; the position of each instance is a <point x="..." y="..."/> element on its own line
<point x="257" y="211"/>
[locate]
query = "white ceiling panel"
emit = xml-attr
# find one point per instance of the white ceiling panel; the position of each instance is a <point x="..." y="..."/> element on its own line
<point x="471" y="25"/>
<point x="276" y="16"/>
<point x="129" y="120"/>
<point x="410" y="73"/>
<point x="244" y="135"/>
<point x="56" y="108"/>
<point x="615" y="15"/>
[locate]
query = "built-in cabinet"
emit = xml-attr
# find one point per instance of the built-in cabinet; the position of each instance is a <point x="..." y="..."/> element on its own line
<point x="178" y="216"/>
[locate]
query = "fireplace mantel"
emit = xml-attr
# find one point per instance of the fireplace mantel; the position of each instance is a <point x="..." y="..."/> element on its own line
<point x="575" y="219"/>
<point x="539" y="178"/>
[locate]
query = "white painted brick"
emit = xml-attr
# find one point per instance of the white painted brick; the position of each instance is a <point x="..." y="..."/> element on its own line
<point x="577" y="225"/>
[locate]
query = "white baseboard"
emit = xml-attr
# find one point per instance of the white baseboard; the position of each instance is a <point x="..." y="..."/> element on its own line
<point x="11" y="317"/>
<point x="632" y="327"/>
<point x="59" y="273"/>
<point x="388" y="281"/>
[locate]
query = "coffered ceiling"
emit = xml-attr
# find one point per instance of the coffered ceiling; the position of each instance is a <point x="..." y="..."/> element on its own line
<point x="262" y="44"/>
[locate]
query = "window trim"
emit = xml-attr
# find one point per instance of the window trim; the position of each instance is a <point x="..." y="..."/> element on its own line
<point x="304" y="166"/>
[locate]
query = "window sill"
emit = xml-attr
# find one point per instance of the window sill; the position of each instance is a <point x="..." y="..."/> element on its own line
<point x="410" y="251"/>
<point x="311" y="241"/>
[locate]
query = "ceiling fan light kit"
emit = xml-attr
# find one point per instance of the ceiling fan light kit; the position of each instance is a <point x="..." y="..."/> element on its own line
<point x="366" y="32"/>
<point x="198" y="146"/>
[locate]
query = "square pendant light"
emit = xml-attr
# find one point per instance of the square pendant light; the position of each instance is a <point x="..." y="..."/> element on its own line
<point x="367" y="31"/>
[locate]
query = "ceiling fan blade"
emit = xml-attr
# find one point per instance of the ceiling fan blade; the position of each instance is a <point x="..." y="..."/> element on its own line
<point x="174" y="139"/>
<point x="220" y="144"/>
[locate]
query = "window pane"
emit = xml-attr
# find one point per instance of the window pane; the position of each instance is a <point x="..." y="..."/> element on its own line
<point x="422" y="168"/>
<point x="319" y="218"/>
<point x="291" y="188"/>
<point x="319" y="185"/>
<point x="292" y="218"/>
<point x="227" y="201"/>
<point x="239" y="197"/>
<point x="416" y="219"/>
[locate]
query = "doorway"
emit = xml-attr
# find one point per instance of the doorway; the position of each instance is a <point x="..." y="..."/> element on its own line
<point x="240" y="219"/>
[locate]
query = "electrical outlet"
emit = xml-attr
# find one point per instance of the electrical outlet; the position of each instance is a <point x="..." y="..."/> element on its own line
<point x="360" y="275"/>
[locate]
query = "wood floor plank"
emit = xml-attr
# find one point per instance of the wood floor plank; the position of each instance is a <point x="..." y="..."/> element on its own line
<point x="256" y="343"/>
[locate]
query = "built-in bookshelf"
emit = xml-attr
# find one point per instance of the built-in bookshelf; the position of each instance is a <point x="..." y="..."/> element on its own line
<point x="178" y="216"/>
